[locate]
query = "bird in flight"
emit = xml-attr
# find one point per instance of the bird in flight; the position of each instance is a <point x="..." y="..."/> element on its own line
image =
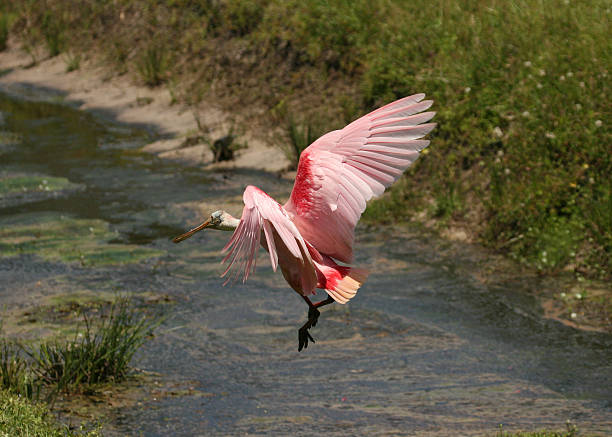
<point x="310" y="234"/>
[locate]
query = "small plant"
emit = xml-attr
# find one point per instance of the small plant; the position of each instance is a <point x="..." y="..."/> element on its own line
<point x="53" y="34"/>
<point x="94" y="356"/>
<point x="19" y="417"/>
<point x="153" y="65"/>
<point x="572" y="431"/>
<point x="15" y="375"/>
<point x="447" y="202"/>
<point x="300" y="137"/>
<point x="4" y="30"/>
<point x="73" y="62"/>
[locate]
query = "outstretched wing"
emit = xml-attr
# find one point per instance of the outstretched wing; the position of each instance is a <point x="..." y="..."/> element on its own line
<point x="342" y="170"/>
<point x="261" y="213"/>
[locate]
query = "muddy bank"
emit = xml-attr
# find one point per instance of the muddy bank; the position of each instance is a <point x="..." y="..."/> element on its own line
<point x="94" y="89"/>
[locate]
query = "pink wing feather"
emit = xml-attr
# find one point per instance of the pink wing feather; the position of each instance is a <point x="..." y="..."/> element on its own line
<point x="342" y="170"/>
<point x="261" y="213"/>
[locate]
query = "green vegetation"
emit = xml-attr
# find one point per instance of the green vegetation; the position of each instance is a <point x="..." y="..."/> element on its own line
<point x="299" y="137"/>
<point x="60" y="238"/>
<point x="153" y="65"/>
<point x="14" y="372"/>
<point x="97" y="356"/>
<point x="4" y="30"/>
<point x="20" y="417"/>
<point x="571" y="431"/>
<point x="19" y="184"/>
<point x="99" y="353"/>
<point x="73" y="62"/>
<point x="521" y="156"/>
<point x="93" y="357"/>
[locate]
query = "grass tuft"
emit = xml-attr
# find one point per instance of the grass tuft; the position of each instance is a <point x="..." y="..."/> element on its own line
<point x="73" y="61"/>
<point x="53" y="33"/>
<point x="299" y="137"/>
<point x="15" y="374"/>
<point x="153" y="65"/>
<point x="94" y="356"/>
<point x="4" y="30"/>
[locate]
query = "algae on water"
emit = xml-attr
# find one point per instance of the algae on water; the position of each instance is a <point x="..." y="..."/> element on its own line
<point x="62" y="238"/>
<point x="20" y="188"/>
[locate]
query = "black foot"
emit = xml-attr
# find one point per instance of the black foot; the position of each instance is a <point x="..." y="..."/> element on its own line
<point x="303" y="334"/>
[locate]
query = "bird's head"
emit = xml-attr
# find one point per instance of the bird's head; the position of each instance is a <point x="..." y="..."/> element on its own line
<point x="219" y="220"/>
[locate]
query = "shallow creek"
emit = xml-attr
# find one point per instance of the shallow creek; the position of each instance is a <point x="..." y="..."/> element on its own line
<point x="424" y="348"/>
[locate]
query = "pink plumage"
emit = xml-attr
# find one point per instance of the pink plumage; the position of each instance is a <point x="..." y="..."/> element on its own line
<point x="314" y="230"/>
<point x="337" y="175"/>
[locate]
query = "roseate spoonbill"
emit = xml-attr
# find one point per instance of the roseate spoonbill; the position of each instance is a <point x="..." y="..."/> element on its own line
<point x="336" y="176"/>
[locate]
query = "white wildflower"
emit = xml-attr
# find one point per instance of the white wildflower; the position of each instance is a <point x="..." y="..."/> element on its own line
<point x="569" y="74"/>
<point x="467" y="89"/>
<point x="598" y="123"/>
<point x="497" y="160"/>
<point x="578" y="296"/>
<point x="562" y="295"/>
<point x="573" y="315"/>
<point x="525" y="114"/>
<point x="527" y="63"/>
<point x="591" y="181"/>
<point x="582" y="84"/>
<point x="500" y="153"/>
<point x="507" y="171"/>
<point x="539" y="85"/>
<point x="542" y="72"/>
<point x="497" y="132"/>
<point x="550" y="135"/>
<point x="562" y="78"/>
<point x="578" y="106"/>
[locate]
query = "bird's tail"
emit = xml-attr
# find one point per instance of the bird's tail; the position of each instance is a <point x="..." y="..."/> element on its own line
<point x="346" y="288"/>
<point x="340" y="282"/>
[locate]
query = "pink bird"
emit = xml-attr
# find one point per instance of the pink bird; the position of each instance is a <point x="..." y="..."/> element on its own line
<point x="314" y="230"/>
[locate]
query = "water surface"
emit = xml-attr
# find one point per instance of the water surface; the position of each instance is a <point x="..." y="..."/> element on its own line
<point x="423" y="349"/>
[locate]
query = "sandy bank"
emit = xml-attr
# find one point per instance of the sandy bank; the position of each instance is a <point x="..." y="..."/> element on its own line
<point x="92" y="88"/>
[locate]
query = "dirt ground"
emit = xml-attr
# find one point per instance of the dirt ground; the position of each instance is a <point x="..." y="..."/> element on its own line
<point x="93" y="89"/>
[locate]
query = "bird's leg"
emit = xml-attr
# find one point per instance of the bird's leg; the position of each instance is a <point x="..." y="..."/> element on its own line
<point x="313" y="317"/>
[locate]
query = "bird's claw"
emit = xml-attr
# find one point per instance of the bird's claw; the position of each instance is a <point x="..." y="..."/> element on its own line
<point x="313" y="316"/>
<point x="303" y="334"/>
<point x="303" y="337"/>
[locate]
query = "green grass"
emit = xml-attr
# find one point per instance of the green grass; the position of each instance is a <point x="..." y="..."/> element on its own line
<point x="153" y="65"/>
<point x="20" y="417"/>
<point x="299" y="137"/>
<point x="521" y="154"/>
<point x="99" y="352"/>
<point x="4" y="30"/>
<point x="15" y="374"/>
<point x="571" y="431"/>
<point x="73" y="62"/>
<point x="66" y="239"/>
<point x="95" y="355"/>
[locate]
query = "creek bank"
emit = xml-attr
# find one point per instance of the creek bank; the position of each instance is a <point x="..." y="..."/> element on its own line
<point x="173" y="126"/>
